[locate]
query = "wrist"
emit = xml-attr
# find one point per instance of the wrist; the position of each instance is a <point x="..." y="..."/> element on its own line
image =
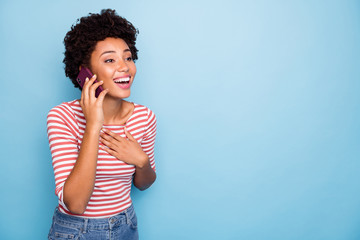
<point x="93" y="128"/>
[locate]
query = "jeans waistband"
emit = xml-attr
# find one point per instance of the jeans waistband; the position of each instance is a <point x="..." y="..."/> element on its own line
<point x="94" y="223"/>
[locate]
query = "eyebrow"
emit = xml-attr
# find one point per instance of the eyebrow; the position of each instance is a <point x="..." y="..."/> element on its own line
<point x="107" y="52"/>
<point x="112" y="51"/>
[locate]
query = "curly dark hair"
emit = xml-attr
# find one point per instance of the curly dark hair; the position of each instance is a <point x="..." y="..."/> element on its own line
<point x="81" y="40"/>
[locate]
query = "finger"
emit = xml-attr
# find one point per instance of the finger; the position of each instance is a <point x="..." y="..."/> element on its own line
<point x="82" y="100"/>
<point x="84" y="91"/>
<point x="102" y="95"/>
<point x="128" y="135"/>
<point x="102" y="147"/>
<point x="107" y="141"/>
<point x="112" y="134"/>
<point x="92" y="79"/>
<point x="108" y="150"/>
<point x="105" y="136"/>
<point x="94" y="87"/>
<point x="88" y="83"/>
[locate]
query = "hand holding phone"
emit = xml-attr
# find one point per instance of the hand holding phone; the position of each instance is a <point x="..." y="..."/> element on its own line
<point x="86" y="73"/>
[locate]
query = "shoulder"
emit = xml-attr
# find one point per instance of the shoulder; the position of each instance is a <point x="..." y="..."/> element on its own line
<point x="65" y="110"/>
<point x="143" y="110"/>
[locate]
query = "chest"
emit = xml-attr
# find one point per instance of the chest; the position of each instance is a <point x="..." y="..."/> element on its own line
<point x="109" y="166"/>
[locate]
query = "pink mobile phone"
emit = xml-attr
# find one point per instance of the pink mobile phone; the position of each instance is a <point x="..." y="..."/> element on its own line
<point x="86" y="73"/>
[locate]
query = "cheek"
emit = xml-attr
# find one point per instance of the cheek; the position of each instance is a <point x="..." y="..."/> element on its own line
<point x="104" y="72"/>
<point x="133" y="69"/>
<point x="94" y="69"/>
<point x="93" y="64"/>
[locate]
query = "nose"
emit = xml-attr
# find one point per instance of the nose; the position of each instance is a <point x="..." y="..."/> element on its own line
<point x="122" y="66"/>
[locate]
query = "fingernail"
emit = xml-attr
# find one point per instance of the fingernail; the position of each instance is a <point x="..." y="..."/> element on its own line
<point x="86" y="79"/>
<point x="94" y="76"/>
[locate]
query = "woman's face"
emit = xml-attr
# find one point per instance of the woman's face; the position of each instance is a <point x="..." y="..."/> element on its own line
<point x="112" y="62"/>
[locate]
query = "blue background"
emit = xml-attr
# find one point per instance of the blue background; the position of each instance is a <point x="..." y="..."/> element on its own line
<point x="258" y="115"/>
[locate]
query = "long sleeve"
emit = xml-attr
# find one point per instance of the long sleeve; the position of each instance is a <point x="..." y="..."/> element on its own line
<point x="61" y="130"/>
<point x="148" y="142"/>
<point x="111" y="195"/>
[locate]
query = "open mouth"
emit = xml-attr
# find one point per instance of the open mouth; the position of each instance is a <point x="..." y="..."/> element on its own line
<point x="123" y="82"/>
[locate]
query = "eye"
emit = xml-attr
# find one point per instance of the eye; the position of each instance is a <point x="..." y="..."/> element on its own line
<point x="129" y="59"/>
<point x="109" y="60"/>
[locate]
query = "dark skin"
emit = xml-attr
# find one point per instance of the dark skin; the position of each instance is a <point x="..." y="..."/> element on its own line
<point x="110" y="60"/>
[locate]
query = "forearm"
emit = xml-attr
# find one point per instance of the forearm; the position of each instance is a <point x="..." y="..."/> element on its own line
<point x="144" y="176"/>
<point x="79" y="185"/>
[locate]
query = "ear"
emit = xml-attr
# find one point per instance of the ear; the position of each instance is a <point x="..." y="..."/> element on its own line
<point x="79" y="68"/>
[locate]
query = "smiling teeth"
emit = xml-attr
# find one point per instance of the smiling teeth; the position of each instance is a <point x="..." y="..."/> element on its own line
<point x="123" y="80"/>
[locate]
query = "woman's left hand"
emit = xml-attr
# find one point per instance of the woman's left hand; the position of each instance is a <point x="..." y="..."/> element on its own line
<point x="126" y="149"/>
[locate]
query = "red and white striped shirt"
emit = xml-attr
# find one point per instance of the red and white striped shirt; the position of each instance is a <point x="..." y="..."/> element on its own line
<point x="111" y="195"/>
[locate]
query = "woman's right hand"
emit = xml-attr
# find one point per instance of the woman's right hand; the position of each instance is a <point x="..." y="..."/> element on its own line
<point x="91" y="105"/>
<point x="79" y="185"/>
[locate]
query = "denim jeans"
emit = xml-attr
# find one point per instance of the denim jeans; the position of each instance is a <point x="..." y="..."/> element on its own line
<point x="121" y="226"/>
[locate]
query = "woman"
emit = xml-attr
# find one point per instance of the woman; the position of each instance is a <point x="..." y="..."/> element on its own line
<point x="100" y="145"/>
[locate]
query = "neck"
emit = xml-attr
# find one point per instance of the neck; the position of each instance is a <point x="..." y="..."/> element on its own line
<point x="114" y="110"/>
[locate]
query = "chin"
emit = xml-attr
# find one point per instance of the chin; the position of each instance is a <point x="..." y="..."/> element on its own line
<point x="122" y="95"/>
<point x="119" y="93"/>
